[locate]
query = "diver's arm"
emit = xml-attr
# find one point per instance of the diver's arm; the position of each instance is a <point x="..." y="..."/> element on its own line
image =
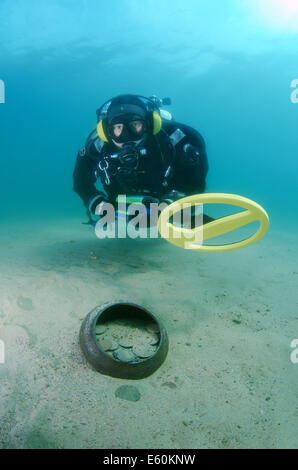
<point x="195" y="167"/>
<point x="84" y="183"/>
<point x="191" y="165"/>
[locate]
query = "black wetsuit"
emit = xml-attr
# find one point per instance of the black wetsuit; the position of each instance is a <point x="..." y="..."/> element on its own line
<point x="186" y="175"/>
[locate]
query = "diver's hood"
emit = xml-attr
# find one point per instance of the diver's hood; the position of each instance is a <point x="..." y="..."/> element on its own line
<point x="125" y="112"/>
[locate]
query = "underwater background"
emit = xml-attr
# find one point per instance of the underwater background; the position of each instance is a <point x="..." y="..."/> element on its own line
<point x="228" y="68"/>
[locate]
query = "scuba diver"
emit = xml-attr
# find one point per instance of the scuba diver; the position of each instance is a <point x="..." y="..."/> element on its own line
<point x="137" y="148"/>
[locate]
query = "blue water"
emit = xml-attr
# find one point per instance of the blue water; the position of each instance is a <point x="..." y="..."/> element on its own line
<point x="227" y="68"/>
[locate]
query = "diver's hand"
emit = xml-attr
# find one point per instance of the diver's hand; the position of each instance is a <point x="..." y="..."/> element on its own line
<point x="147" y="200"/>
<point x="95" y="203"/>
<point x="172" y="196"/>
<point x="95" y="207"/>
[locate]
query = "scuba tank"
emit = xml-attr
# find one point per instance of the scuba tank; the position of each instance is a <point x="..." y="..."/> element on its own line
<point x="165" y="115"/>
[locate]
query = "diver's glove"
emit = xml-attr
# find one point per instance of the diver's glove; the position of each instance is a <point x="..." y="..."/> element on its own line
<point x="192" y="155"/>
<point x="166" y="198"/>
<point x="94" y="201"/>
<point x="94" y="208"/>
<point x="147" y="200"/>
<point x="172" y="196"/>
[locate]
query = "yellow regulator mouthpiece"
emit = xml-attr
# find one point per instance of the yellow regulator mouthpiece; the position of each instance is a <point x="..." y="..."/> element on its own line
<point x="193" y="239"/>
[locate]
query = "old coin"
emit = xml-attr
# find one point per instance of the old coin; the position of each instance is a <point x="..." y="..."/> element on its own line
<point x="153" y="328"/>
<point x="154" y="340"/>
<point x="100" y="329"/>
<point x="143" y="351"/>
<point x="125" y="343"/>
<point x="124" y="355"/>
<point x="108" y="345"/>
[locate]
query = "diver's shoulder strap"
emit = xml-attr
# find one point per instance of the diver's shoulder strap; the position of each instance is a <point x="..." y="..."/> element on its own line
<point x="98" y="144"/>
<point x="173" y="135"/>
<point x="94" y="139"/>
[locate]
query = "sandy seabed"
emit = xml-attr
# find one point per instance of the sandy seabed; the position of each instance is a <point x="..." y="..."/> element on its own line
<point x="230" y="318"/>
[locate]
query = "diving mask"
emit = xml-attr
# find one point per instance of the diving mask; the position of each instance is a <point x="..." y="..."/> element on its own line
<point x="126" y="123"/>
<point x="128" y="130"/>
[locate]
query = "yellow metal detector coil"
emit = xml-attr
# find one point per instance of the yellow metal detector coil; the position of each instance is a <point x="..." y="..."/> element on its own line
<point x="188" y="238"/>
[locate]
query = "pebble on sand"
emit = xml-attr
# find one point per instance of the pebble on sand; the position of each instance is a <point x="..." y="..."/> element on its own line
<point x="169" y="385"/>
<point x="25" y="303"/>
<point x="128" y="392"/>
